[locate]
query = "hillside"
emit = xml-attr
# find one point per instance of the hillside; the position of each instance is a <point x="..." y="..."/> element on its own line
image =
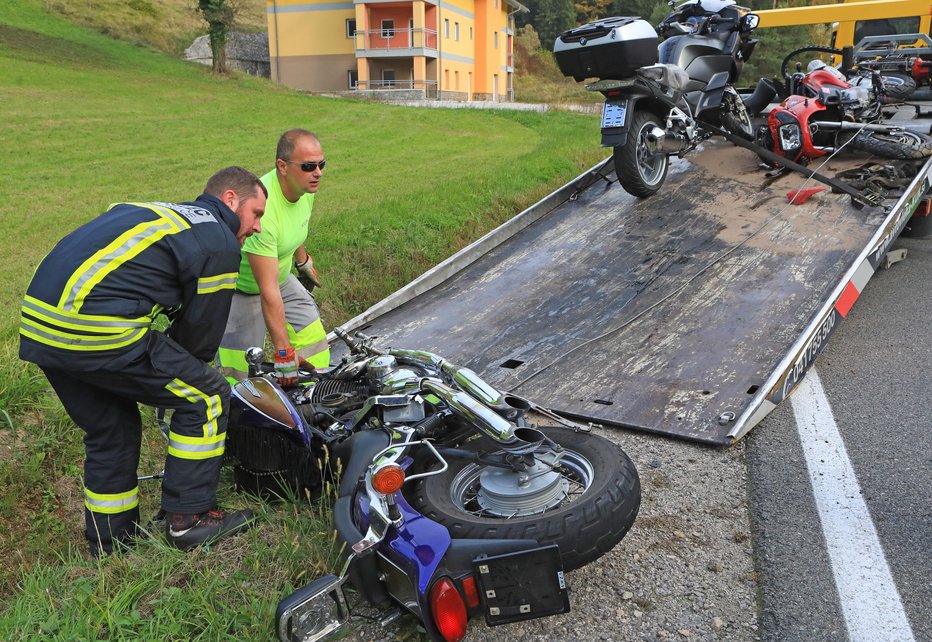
<point x="165" y="25"/>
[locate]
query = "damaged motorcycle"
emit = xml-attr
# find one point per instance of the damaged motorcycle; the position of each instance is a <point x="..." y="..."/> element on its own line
<point x="822" y="112"/>
<point x="452" y="502"/>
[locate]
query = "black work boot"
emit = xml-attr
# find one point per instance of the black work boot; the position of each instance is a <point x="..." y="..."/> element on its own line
<point x="187" y="531"/>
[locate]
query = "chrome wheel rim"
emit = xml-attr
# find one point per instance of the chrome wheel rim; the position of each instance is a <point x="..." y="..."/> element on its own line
<point x="485" y="491"/>
<point x="650" y="165"/>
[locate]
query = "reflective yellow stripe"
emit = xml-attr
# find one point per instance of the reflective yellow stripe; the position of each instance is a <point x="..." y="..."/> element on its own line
<point x="232" y="364"/>
<point x="59" y="339"/>
<point x="311" y="344"/>
<point x="186" y="447"/>
<point x="168" y="213"/>
<point x="208" y="284"/>
<point x="110" y="503"/>
<point x="97" y="324"/>
<point x="193" y="395"/>
<point x="122" y="249"/>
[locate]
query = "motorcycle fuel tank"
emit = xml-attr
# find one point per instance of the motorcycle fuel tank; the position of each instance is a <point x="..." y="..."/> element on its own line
<point x="267" y="404"/>
<point x="612" y="48"/>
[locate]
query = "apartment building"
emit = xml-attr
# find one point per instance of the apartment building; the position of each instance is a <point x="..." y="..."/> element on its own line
<point x="446" y="49"/>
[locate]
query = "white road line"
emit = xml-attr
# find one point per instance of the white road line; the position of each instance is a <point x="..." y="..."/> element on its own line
<point x="869" y="600"/>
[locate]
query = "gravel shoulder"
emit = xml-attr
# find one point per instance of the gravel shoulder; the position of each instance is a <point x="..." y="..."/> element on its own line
<point x="685" y="571"/>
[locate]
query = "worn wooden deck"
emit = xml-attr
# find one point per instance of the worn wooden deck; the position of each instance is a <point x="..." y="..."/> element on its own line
<point x="665" y="314"/>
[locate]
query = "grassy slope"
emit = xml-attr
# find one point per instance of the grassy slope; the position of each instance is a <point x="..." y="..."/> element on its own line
<point x="166" y="25"/>
<point x="86" y="121"/>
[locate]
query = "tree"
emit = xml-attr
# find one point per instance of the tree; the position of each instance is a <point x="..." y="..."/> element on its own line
<point x="553" y="18"/>
<point x="591" y="10"/>
<point x="640" y="8"/>
<point x="219" y="15"/>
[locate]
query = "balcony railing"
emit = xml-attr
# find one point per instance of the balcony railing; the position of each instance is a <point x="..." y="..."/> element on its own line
<point x="380" y="85"/>
<point x="396" y="39"/>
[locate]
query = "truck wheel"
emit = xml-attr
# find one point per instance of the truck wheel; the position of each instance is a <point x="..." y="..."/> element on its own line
<point x="900" y="145"/>
<point x="640" y="171"/>
<point x="599" y="501"/>
<point x="919" y="225"/>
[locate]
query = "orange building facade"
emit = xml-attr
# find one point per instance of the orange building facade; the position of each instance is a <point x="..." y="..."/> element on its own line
<point x="446" y="49"/>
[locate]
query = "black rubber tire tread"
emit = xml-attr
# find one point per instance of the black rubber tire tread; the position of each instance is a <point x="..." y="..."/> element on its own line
<point x="795" y="52"/>
<point x="585" y="530"/>
<point x="626" y="162"/>
<point x="888" y="146"/>
<point x="898" y="87"/>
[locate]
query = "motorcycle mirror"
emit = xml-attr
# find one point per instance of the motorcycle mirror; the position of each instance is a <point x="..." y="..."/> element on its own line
<point x="313" y="612"/>
<point x="254" y="357"/>
<point x="750" y="21"/>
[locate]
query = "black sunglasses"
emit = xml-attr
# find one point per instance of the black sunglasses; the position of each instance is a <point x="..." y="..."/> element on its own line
<point x="309" y="166"/>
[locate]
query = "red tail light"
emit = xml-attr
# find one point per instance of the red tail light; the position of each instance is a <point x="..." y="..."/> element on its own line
<point x="448" y="610"/>
<point x="471" y="592"/>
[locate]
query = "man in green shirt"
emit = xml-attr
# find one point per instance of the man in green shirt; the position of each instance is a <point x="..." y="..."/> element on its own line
<point x="268" y="296"/>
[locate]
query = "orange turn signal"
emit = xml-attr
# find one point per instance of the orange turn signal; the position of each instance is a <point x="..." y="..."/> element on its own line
<point x="388" y="479"/>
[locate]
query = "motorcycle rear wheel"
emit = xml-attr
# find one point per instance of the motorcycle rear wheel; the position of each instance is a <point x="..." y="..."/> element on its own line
<point x="734" y="115"/>
<point x="604" y="494"/>
<point x="640" y="171"/>
<point x="898" y="87"/>
<point x="899" y="145"/>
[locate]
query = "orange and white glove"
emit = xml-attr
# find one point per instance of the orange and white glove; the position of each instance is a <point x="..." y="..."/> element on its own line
<point x="307" y="275"/>
<point x="286" y="366"/>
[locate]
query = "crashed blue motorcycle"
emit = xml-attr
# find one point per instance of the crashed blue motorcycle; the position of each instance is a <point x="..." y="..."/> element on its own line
<point x="452" y="503"/>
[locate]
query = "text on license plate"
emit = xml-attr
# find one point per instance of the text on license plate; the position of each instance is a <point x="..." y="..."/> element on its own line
<point x="613" y="114"/>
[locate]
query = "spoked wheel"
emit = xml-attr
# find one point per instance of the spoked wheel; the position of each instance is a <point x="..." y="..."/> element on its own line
<point x="640" y="171"/>
<point x="584" y="501"/>
<point x="734" y="115"/>
<point x="903" y="144"/>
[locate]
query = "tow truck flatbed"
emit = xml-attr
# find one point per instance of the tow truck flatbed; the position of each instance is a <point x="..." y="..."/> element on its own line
<point x="692" y="313"/>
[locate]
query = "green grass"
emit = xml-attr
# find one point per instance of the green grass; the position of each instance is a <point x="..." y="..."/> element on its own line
<point x="86" y="121"/>
<point x="169" y="26"/>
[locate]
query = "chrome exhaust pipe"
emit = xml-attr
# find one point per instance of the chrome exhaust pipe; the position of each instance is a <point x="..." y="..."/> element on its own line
<point x="660" y="141"/>
<point x="473" y="411"/>
<point x="508" y="406"/>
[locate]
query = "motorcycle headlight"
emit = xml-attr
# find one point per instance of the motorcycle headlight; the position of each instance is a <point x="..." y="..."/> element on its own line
<point x="791" y="138"/>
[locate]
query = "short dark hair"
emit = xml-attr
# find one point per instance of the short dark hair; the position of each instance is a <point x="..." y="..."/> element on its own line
<point x="289" y="139"/>
<point x="240" y="180"/>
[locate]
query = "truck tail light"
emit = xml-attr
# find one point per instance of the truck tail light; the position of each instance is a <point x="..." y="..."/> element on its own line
<point x="448" y="610"/>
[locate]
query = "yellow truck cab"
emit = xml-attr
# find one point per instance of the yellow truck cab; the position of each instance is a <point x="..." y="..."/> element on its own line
<point x="851" y="33"/>
<point x="856" y="19"/>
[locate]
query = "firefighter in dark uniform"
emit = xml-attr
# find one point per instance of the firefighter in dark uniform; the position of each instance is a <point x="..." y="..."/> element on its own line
<point x="86" y="321"/>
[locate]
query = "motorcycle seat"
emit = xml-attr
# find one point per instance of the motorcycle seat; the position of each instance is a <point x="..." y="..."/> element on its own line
<point x="667" y="75"/>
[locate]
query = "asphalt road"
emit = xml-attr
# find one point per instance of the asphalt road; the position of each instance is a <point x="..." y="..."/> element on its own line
<point x="875" y="377"/>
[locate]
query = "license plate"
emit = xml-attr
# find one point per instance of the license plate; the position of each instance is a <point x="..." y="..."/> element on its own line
<point x="613" y="114"/>
<point x="522" y="585"/>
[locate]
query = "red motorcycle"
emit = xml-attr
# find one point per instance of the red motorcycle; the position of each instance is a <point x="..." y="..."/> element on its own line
<point x="822" y="112"/>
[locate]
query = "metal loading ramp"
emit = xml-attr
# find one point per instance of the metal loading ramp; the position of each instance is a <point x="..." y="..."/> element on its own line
<point x="668" y="315"/>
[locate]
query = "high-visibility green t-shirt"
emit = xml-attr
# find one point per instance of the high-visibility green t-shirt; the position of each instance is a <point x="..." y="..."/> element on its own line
<point x="284" y="230"/>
